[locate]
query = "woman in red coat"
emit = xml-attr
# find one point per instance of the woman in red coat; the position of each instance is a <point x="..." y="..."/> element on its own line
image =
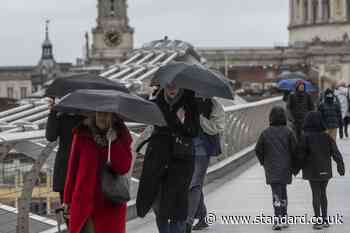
<point x="89" y="210"/>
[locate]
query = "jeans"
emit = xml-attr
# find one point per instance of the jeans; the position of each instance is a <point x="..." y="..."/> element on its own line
<point x="167" y="225"/>
<point x="196" y="206"/>
<point x="280" y="199"/>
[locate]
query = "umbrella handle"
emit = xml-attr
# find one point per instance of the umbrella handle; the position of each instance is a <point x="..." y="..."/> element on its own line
<point x="109" y="149"/>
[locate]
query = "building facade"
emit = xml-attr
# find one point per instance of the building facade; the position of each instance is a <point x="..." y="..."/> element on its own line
<point x="113" y="36"/>
<point x="319" y="45"/>
<point x="325" y="20"/>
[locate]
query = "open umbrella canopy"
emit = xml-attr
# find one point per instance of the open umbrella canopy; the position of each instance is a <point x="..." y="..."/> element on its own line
<point x="62" y="86"/>
<point x="290" y="85"/>
<point x="127" y="106"/>
<point x="203" y="81"/>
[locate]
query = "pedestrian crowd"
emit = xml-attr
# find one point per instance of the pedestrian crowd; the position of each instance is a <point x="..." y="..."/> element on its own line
<point x="178" y="154"/>
<point x="304" y="138"/>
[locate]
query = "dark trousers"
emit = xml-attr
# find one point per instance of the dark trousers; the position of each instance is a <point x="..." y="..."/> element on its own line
<point x="319" y="197"/>
<point x="166" y="225"/>
<point x="344" y="128"/>
<point x="196" y="204"/>
<point x="279" y="199"/>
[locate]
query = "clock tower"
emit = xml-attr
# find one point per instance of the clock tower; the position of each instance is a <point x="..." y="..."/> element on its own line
<point x="112" y="37"/>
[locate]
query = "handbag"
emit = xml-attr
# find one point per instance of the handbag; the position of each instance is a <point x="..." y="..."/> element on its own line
<point x="115" y="187"/>
<point x="183" y="148"/>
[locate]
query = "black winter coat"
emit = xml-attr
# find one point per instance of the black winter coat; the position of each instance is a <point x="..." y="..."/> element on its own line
<point x="299" y="104"/>
<point x="331" y="113"/>
<point x="164" y="173"/>
<point x="316" y="150"/>
<point x="276" y="150"/>
<point x="61" y="127"/>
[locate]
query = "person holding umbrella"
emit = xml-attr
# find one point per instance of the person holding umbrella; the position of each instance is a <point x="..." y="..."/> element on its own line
<point x="169" y="161"/>
<point x="90" y="210"/>
<point x="60" y="124"/>
<point x="298" y="105"/>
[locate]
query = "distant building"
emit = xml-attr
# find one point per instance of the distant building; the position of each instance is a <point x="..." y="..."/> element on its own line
<point x="113" y="36"/>
<point x="18" y="82"/>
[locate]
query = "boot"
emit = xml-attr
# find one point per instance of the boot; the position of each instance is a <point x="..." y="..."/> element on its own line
<point x="201" y="224"/>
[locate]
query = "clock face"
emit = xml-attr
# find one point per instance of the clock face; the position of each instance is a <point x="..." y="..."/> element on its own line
<point x="113" y="38"/>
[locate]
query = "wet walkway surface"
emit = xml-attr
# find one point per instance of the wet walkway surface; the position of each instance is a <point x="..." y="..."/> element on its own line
<point x="248" y="195"/>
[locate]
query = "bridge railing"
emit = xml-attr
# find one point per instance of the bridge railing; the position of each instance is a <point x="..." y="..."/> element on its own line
<point x="29" y="186"/>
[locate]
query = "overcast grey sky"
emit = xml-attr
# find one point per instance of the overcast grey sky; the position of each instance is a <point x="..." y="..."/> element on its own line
<point x="205" y="23"/>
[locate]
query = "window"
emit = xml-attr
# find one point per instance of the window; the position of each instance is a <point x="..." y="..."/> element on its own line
<point x="10" y="93"/>
<point x="306" y="11"/>
<point x="112" y="8"/>
<point x="23" y="92"/>
<point x="348" y="8"/>
<point x="326" y="10"/>
<point x="315" y="11"/>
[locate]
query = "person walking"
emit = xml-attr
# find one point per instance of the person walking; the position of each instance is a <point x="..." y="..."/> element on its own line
<point x="207" y="144"/>
<point x="90" y="210"/>
<point x="60" y="126"/>
<point x="169" y="161"/>
<point x="342" y="93"/>
<point x="316" y="150"/>
<point x="331" y="113"/>
<point x="298" y="105"/>
<point x="276" y="151"/>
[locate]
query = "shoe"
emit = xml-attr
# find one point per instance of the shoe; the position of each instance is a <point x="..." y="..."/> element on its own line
<point x="325" y="224"/>
<point x="317" y="226"/>
<point x="188" y="228"/>
<point x="201" y="224"/>
<point x="285" y="226"/>
<point x="276" y="227"/>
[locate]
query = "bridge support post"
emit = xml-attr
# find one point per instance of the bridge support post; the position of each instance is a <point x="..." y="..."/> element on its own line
<point x="29" y="183"/>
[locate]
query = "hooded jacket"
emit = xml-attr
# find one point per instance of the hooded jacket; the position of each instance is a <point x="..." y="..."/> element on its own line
<point x="299" y="104"/>
<point x="276" y="149"/>
<point x="316" y="150"/>
<point x="342" y="94"/>
<point x="330" y="110"/>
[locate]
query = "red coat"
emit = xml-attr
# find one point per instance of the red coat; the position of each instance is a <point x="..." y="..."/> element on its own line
<point x="83" y="187"/>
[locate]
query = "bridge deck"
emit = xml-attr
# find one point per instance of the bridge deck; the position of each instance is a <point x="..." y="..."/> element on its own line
<point x="248" y="195"/>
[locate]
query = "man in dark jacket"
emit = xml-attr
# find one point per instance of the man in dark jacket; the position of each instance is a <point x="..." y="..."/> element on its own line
<point x="276" y="151"/>
<point x="316" y="150"/>
<point x="60" y="126"/>
<point x="166" y="174"/>
<point x="299" y="104"/>
<point x="331" y="113"/>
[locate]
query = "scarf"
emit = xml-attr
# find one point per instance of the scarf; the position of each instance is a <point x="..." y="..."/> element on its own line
<point x="101" y="136"/>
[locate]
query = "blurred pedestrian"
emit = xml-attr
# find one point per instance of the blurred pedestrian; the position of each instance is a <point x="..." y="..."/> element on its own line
<point x="299" y="104"/>
<point x="276" y="151"/>
<point x="169" y="161"/>
<point x="342" y="93"/>
<point x="331" y="113"/>
<point x="316" y="150"/>
<point x="207" y="144"/>
<point x="60" y="126"/>
<point x="90" y="210"/>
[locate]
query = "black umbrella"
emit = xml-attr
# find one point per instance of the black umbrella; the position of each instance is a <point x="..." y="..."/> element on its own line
<point x="62" y="86"/>
<point x="128" y="106"/>
<point x="203" y="81"/>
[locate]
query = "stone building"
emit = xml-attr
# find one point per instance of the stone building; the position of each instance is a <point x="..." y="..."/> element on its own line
<point x="319" y="45"/>
<point x="325" y="20"/>
<point x="18" y="82"/>
<point x="113" y="36"/>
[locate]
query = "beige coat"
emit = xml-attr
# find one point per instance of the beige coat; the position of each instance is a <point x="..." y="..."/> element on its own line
<point x="216" y="124"/>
